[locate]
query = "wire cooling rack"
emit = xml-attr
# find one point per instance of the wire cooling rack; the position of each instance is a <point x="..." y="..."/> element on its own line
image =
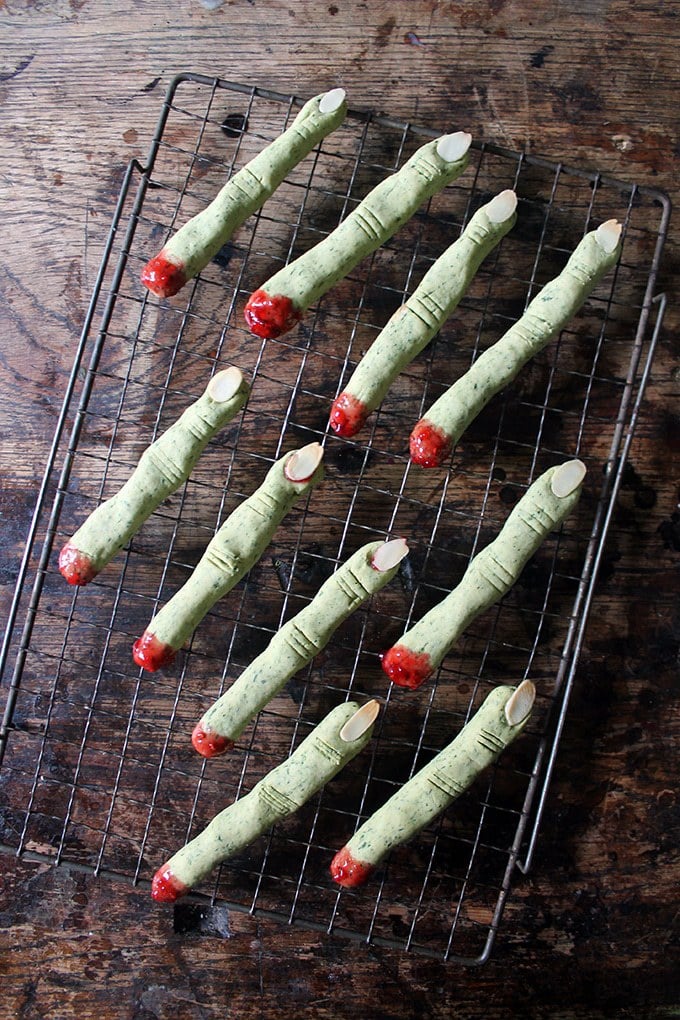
<point x="98" y="769"/>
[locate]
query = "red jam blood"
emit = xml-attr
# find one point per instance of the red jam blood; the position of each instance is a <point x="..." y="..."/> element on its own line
<point x="347" y="415"/>
<point x="347" y="871"/>
<point x="152" y="654"/>
<point x="270" y="317"/>
<point x="165" y="887"/>
<point x="210" y="744"/>
<point x="429" y="445"/>
<point x="162" y="276"/>
<point x="406" y="668"/>
<point x="75" y="566"/>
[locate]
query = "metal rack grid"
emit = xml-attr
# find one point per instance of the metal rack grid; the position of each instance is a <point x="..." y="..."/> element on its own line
<point x="98" y="771"/>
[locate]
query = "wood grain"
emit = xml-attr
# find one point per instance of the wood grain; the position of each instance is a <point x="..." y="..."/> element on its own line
<point x="592" y="931"/>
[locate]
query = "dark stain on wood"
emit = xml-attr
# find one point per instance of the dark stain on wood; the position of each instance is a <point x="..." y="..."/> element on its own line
<point x="349" y="459"/>
<point x="538" y="57"/>
<point x="407" y="575"/>
<point x="224" y="255"/>
<point x="283" y="572"/>
<point x="669" y="531"/>
<point x="234" y="124"/>
<point x="384" y="31"/>
<point x="575" y="101"/>
<point x="192" y="919"/>
<point x="296" y="688"/>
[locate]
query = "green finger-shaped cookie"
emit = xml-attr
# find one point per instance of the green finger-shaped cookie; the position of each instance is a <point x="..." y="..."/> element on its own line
<point x="199" y="240"/>
<point x="414" y="324"/>
<point x="296" y="644"/>
<point x="278" y="305"/>
<point x="490" y="574"/>
<point x="330" y="746"/>
<point x="548" y="313"/>
<point x="163" y="467"/>
<point x="500" y="719"/>
<point x="233" y="550"/>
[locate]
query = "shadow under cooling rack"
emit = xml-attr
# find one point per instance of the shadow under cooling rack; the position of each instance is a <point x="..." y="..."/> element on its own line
<point x="98" y="770"/>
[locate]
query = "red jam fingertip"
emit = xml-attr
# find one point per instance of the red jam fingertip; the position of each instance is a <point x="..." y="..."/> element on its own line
<point x="208" y="743"/>
<point x="348" y="415"/>
<point x="406" y="668"/>
<point x="166" y="887"/>
<point x="347" y="871"/>
<point x="152" y="654"/>
<point x="429" y="445"/>
<point x="75" y="566"/>
<point x="270" y="317"/>
<point x="162" y="276"/>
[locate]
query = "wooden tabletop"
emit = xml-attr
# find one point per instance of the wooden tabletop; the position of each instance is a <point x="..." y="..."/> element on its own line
<point x="592" y="929"/>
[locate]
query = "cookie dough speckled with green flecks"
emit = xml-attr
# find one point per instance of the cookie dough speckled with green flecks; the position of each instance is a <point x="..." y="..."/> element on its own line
<point x="163" y="467"/>
<point x="338" y="738"/>
<point x="235" y="548"/>
<point x="490" y="574"/>
<point x="278" y="305"/>
<point x="296" y="644"/>
<point x="414" y="324"/>
<point x="434" y="436"/>
<point x="199" y="240"/>
<point x="501" y="718"/>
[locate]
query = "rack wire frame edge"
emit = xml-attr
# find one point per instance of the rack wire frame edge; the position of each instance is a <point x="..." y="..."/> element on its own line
<point x="534" y="803"/>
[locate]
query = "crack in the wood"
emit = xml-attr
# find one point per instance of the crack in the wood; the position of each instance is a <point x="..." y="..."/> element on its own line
<point x="150" y="86"/>
<point x="17" y="71"/>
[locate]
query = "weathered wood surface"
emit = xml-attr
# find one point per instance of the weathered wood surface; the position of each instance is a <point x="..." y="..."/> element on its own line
<point x="593" y="930"/>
